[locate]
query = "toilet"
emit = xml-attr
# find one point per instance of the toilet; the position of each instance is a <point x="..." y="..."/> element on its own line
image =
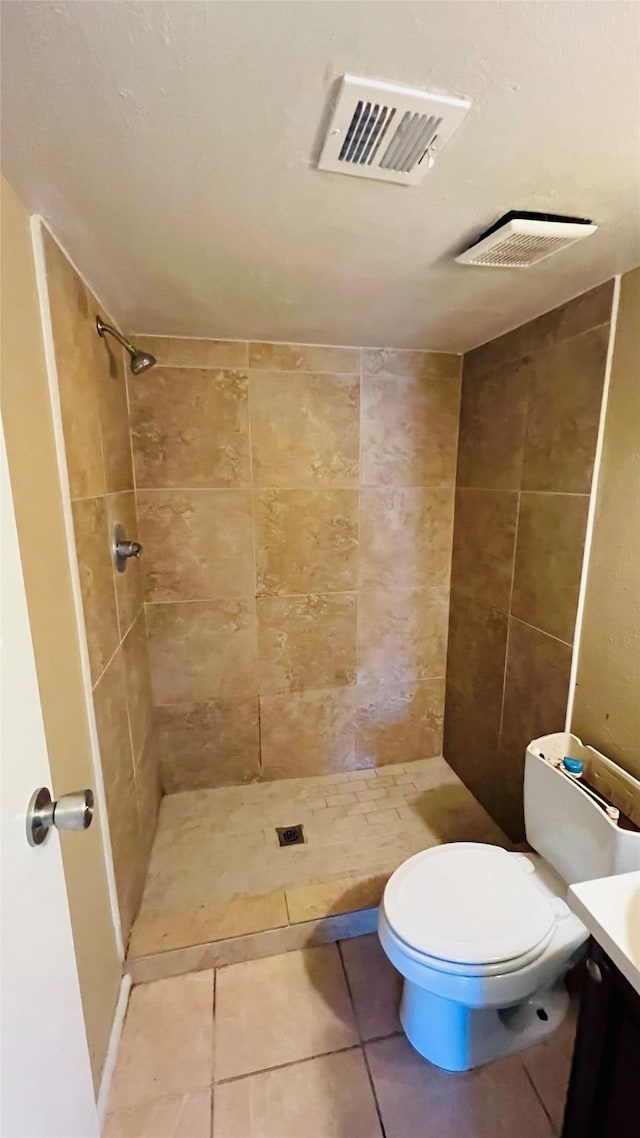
<point x="483" y="937"/>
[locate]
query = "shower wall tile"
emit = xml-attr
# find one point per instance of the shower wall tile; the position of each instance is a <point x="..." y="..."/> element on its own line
<point x="306" y="641"/>
<point x="138" y="680"/>
<point x="483" y="545"/>
<point x="208" y="744"/>
<point x="198" y="544"/>
<point x="304" y="357"/>
<point x="397" y="723"/>
<point x="549" y="551"/>
<point x="129" y="585"/>
<point x="413" y="364"/>
<point x="529" y="421"/>
<point x="110" y="702"/>
<point x="190" y="428"/>
<point x="202" y="650"/>
<point x="111" y="389"/>
<point x="305" y="429"/>
<point x="405" y="536"/>
<point x="148" y="796"/>
<point x="477" y="653"/>
<point x="306" y="540"/>
<point x="176" y="351"/>
<point x="410" y="427"/>
<point x="564" y="413"/>
<point x="493" y="424"/>
<point x="92" y="539"/>
<point x="581" y="314"/>
<point x="308" y="732"/>
<point x="402" y="634"/>
<point x="74" y="345"/>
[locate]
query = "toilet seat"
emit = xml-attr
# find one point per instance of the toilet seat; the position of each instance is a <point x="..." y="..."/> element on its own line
<point x="469" y="909"/>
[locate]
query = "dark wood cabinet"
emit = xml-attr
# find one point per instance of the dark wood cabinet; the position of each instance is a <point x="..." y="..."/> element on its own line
<point x="603" y="1100"/>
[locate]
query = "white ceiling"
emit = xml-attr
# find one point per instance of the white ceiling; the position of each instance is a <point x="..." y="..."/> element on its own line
<point x="171" y="148"/>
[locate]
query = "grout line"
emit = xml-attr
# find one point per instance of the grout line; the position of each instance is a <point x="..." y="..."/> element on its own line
<point x="542" y="631"/>
<point x="520" y="490"/>
<point x="537" y="1093"/>
<point x="593" y="501"/>
<point x="310" y="488"/>
<point x="362" y="1041"/>
<point x="511" y="586"/>
<point x="291" y="1063"/>
<point x="312" y="593"/>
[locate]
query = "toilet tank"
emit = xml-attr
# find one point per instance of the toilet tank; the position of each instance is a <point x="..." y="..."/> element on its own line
<point x="564" y="825"/>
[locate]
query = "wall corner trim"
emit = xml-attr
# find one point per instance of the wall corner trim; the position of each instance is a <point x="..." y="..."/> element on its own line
<point x="112" y="1049"/>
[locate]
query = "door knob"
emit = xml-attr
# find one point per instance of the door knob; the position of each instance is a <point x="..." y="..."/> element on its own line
<point x="71" y="812"/>
<point x="122" y="548"/>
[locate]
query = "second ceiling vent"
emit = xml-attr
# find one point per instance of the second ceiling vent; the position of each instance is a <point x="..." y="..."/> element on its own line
<point x="390" y="133"/>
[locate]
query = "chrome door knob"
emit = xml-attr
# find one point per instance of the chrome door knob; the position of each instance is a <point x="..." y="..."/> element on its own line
<point x="71" y="812"/>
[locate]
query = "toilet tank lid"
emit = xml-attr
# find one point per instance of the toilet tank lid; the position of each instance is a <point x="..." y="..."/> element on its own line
<point x="468" y="903"/>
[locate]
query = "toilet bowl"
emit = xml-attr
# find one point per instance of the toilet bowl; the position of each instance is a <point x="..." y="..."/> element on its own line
<point x="483" y="939"/>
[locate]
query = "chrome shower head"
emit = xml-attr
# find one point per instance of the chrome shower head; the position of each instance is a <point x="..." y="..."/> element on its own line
<point x="140" y="361"/>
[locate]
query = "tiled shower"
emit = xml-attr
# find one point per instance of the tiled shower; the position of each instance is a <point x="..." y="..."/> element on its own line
<point x="282" y="644"/>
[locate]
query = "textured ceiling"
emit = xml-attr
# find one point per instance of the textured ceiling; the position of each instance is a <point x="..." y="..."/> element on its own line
<point x="170" y="146"/>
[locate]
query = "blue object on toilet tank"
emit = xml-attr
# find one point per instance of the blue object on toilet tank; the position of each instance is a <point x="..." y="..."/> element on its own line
<point x="574" y="766"/>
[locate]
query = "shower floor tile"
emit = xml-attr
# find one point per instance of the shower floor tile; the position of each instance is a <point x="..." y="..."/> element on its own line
<point x="218" y="871"/>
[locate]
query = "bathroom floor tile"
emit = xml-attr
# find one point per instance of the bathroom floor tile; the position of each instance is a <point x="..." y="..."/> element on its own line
<point x="417" y="1100"/>
<point x="329" y="1097"/>
<point x="548" y="1065"/>
<point x="281" y="1009"/>
<point x="374" y="984"/>
<point x="167" y="1041"/>
<point x="185" y="1116"/>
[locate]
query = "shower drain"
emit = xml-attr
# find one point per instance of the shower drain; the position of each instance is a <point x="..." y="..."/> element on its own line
<point x="290" y="835"/>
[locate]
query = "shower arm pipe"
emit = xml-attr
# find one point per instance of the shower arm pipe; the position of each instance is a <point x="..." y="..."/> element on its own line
<point x="103" y="327"/>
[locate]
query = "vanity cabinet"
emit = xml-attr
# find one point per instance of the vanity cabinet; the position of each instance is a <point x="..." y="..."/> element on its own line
<point x="603" y="1100"/>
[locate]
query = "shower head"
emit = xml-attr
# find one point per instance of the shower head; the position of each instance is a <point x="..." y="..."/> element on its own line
<point x="140" y="361"/>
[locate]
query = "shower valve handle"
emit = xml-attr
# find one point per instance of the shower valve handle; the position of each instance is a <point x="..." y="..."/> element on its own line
<point x="128" y="549"/>
<point x="122" y="548"/>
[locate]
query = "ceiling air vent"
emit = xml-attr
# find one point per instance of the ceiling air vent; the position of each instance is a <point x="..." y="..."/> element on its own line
<point x="390" y="133"/>
<point x="521" y="238"/>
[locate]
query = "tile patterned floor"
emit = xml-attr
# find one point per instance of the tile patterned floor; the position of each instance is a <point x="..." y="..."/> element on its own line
<point x="217" y="870"/>
<point x="309" y="1043"/>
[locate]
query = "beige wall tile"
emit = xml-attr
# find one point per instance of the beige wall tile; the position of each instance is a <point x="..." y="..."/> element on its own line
<point x="564" y="413"/>
<point x="405" y="536"/>
<point x="254" y="1025"/>
<point x="402" y="634"/>
<point x="304" y="429"/>
<point x="74" y="344"/>
<point x="110" y="703"/>
<point x="178" y="351"/>
<point x="471" y="747"/>
<point x="111" y="392"/>
<point x="483" y="545"/>
<point x="414" y="364"/>
<point x="208" y="744"/>
<point x="306" y="641"/>
<point x="584" y="312"/>
<point x="138" y="680"/>
<point x="129" y="585"/>
<point x="330" y="1093"/>
<point x="476" y="653"/>
<point x="410" y="427"/>
<point x="303" y="357"/>
<point x="96" y="581"/>
<point x="201" y="650"/>
<point x="309" y="902"/>
<point x="198" y="544"/>
<point x="399" y="723"/>
<point x="551" y="529"/>
<point x="183" y="1116"/>
<point x="493" y="423"/>
<point x="241" y="915"/>
<point x="167" y="1041"/>
<point x="308" y="732"/>
<point x="306" y="540"/>
<point x="148" y="794"/>
<point x="190" y="428"/>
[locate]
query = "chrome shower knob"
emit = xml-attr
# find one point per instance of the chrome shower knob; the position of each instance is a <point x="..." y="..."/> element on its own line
<point x="122" y="548"/>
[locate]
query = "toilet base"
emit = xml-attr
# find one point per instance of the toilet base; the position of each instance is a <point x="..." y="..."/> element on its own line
<point x="456" y="1038"/>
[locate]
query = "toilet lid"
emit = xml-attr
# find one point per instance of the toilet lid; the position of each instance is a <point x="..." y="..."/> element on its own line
<point x="469" y="903"/>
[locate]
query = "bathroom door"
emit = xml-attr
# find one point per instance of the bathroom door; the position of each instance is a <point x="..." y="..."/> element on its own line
<point x="45" y="1077"/>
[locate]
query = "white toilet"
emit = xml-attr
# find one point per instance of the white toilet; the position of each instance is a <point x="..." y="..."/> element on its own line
<point x="484" y="937"/>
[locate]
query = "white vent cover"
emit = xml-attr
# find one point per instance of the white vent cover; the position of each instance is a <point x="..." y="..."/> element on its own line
<point x="390" y="133"/>
<point x="522" y="242"/>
